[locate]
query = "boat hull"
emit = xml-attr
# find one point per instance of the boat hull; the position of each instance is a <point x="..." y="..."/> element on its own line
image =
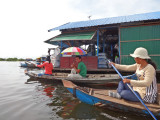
<point x="110" y="81"/>
<point x="100" y="98"/>
<point x="88" y="99"/>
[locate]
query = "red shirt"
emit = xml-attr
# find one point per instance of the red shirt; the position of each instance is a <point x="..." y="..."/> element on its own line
<point x="48" y="67"/>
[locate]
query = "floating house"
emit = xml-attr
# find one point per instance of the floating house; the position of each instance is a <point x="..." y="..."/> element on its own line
<point x="110" y="37"/>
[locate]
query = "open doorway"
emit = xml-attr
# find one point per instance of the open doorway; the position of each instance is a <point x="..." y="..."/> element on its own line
<point x="109" y="44"/>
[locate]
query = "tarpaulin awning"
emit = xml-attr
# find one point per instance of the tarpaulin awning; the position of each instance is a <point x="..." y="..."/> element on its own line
<point x="71" y="39"/>
<point x="74" y="36"/>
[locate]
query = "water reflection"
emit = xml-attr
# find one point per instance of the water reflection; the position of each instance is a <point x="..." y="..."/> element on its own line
<point x="65" y="106"/>
<point x="62" y="102"/>
<point x="24" y="98"/>
<point x="49" y="90"/>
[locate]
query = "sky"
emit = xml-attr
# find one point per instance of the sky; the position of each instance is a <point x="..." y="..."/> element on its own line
<point x="24" y="24"/>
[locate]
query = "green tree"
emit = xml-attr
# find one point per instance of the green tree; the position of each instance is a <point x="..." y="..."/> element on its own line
<point x="2" y="59"/>
<point x="11" y="59"/>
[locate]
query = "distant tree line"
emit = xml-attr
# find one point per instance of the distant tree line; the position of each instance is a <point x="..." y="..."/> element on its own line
<point x="12" y="59"/>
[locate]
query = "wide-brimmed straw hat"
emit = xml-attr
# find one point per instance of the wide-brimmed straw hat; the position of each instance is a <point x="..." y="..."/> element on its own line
<point x="140" y="53"/>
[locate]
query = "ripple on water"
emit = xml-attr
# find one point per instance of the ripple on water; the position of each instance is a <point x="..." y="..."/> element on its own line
<point x="42" y="101"/>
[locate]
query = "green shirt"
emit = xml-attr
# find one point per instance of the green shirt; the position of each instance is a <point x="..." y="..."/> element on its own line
<point x="83" y="69"/>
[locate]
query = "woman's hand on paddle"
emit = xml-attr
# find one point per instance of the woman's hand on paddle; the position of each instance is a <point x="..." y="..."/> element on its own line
<point x="126" y="80"/>
<point x="112" y="63"/>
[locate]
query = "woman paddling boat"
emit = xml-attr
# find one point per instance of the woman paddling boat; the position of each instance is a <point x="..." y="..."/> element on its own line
<point x="146" y="85"/>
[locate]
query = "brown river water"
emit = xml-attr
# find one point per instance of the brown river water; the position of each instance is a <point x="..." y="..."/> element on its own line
<point x="22" y="98"/>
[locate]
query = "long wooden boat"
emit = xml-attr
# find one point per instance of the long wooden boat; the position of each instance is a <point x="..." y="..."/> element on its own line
<point x="100" y="79"/>
<point x="99" y="97"/>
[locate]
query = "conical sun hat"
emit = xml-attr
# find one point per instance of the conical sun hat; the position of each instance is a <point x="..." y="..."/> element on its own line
<point x="140" y="53"/>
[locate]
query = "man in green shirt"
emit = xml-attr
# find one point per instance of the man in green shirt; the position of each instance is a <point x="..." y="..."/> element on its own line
<point x="81" y="70"/>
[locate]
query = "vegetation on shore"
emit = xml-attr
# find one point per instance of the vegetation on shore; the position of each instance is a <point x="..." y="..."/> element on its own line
<point x="12" y="59"/>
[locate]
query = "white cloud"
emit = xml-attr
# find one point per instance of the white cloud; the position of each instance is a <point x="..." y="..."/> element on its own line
<point x="24" y="23"/>
<point x="112" y="8"/>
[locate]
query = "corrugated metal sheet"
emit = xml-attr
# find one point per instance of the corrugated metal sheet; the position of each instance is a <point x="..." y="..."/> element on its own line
<point x="140" y="33"/>
<point x="156" y="59"/>
<point x="112" y="20"/>
<point x="142" y="36"/>
<point x="127" y="60"/>
<point x="152" y="46"/>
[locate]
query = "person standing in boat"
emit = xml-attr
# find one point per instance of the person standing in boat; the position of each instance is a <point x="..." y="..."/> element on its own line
<point x="48" y="67"/>
<point x="79" y="72"/>
<point x="146" y="85"/>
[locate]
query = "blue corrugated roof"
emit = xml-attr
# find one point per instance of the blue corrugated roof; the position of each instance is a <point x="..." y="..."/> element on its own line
<point x="112" y="20"/>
